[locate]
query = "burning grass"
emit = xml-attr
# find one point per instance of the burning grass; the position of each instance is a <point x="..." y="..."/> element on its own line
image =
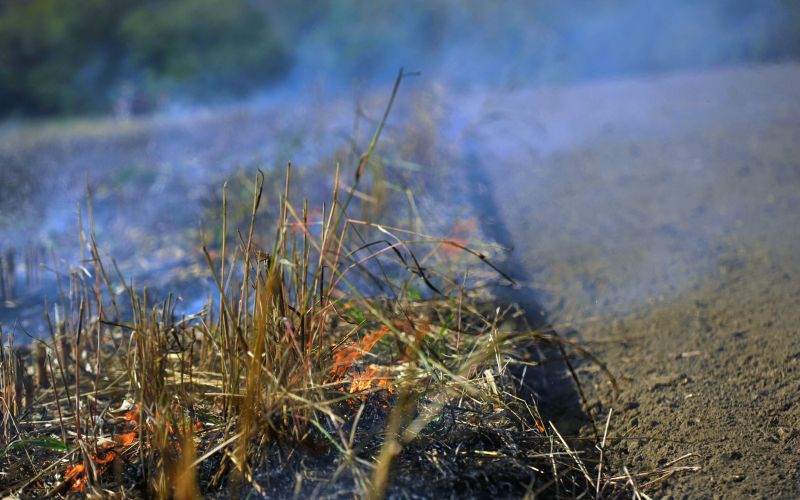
<point x="292" y="380"/>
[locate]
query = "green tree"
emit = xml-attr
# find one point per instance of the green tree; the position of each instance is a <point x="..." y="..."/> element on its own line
<point x="202" y="45"/>
<point x="70" y="56"/>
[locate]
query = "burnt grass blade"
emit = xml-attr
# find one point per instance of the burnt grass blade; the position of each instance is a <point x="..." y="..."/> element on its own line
<point x="296" y="378"/>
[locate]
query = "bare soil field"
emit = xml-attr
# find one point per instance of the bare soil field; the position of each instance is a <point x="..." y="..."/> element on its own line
<point x="659" y="219"/>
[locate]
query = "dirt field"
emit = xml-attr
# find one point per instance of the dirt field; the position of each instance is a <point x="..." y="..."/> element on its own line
<point x="660" y="221"/>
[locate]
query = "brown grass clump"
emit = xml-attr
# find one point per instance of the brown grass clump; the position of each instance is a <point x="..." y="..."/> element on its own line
<point x="291" y="380"/>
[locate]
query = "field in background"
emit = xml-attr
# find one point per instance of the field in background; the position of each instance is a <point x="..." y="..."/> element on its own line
<point x="134" y="57"/>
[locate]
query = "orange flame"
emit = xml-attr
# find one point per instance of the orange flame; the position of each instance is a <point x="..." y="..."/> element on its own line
<point x="373" y="376"/>
<point x="106" y="459"/>
<point x="344" y="359"/>
<point x="76" y="474"/>
<point x="126" y="438"/>
<point x="133" y="415"/>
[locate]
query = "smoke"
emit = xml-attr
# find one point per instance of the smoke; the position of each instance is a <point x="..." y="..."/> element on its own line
<point x="622" y="193"/>
<point x="477" y="43"/>
<point x="151" y="176"/>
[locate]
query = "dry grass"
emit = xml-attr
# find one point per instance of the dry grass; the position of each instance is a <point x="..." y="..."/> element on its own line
<point x="295" y="378"/>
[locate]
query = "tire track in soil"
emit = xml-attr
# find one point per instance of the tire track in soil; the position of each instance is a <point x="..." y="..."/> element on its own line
<point x="550" y="385"/>
<point x="665" y="223"/>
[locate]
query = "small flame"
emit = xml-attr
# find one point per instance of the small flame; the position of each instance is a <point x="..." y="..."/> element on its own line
<point x="133" y="415"/>
<point x="125" y="439"/>
<point x="344" y="359"/>
<point x="373" y="376"/>
<point x="108" y="458"/>
<point x="76" y="474"/>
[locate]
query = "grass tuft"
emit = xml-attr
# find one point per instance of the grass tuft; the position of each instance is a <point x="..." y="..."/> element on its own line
<point x="321" y="365"/>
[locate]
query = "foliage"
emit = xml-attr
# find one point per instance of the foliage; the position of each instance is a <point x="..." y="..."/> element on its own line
<point x="220" y="43"/>
<point x="59" y="56"/>
<point x="68" y="57"/>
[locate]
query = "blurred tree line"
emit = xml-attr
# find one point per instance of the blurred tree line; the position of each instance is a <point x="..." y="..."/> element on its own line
<point x="79" y="56"/>
<point x="71" y="56"/>
<point x="469" y="42"/>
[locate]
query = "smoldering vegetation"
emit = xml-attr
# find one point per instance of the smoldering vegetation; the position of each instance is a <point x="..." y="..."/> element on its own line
<point x="323" y="363"/>
<point x="164" y="333"/>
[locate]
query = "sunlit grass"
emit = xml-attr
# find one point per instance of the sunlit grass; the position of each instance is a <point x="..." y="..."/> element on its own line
<point x="345" y="334"/>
